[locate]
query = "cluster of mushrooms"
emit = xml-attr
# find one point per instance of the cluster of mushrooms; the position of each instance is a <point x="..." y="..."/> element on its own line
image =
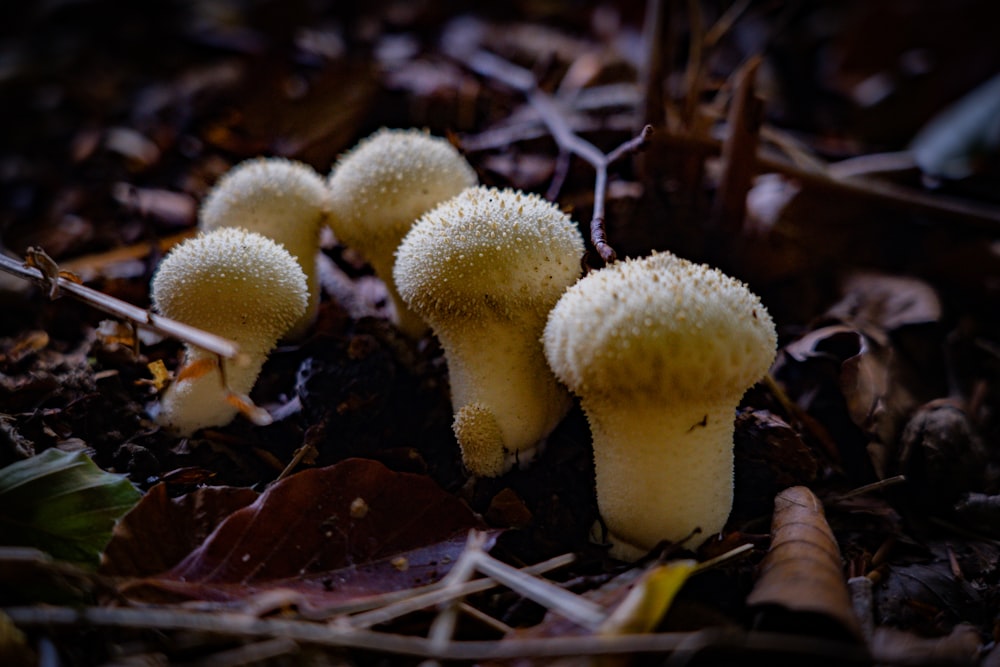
<point x="658" y="350"/>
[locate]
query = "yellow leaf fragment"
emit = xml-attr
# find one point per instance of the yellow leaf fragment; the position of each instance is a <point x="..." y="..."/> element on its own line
<point x="160" y="374"/>
<point x="650" y="598"/>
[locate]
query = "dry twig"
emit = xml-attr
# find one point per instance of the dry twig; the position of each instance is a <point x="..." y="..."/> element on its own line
<point x="42" y="269"/>
<point x="306" y="632"/>
<point x="555" y="118"/>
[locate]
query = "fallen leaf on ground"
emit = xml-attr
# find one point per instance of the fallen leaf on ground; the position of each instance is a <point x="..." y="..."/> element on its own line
<point x="330" y="534"/>
<point x="160" y="531"/>
<point x="63" y="504"/>
<point x="801" y="586"/>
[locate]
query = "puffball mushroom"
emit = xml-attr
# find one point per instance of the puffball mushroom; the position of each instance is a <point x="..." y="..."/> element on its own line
<point x="236" y="284"/>
<point x="284" y="200"/>
<point x="483" y="269"/>
<point x="379" y="189"/>
<point x="660" y="352"/>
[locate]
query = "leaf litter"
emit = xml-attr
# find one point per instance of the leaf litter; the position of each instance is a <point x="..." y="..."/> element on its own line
<point x="882" y="401"/>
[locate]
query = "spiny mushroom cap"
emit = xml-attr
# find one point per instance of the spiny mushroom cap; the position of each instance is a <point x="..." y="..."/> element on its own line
<point x="488" y="251"/>
<point x="659" y="326"/>
<point x="282" y="199"/>
<point x="381" y="186"/>
<point x="234" y="283"/>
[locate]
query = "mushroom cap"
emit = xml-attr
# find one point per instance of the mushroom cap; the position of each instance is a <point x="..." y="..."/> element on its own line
<point x="282" y="199"/>
<point x="382" y="185"/>
<point x="659" y="326"/>
<point x="488" y="251"/>
<point x="286" y="201"/>
<point x="234" y="283"/>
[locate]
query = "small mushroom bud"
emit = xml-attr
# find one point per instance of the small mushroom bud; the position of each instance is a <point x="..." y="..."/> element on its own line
<point x="236" y="284"/>
<point x="380" y="188"/>
<point x="483" y="269"/>
<point x="660" y="352"/>
<point x="284" y="200"/>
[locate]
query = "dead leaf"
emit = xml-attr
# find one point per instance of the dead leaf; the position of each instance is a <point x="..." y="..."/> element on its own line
<point x="801" y="586"/>
<point x="871" y="378"/>
<point x="317" y="595"/>
<point x="883" y="302"/>
<point x="923" y="596"/>
<point x="160" y="531"/>
<point x="770" y="456"/>
<point x="941" y="454"/>
<point x="301" y="534"/>
<point x="980" y="510"/>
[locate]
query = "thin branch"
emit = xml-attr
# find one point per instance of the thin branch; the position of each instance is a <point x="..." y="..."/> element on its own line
<point x="651" y="108"/>
<point x="435" y="594"/>
<point x="555" y="118"/>
<point x="725" y="22"/>
<point x="242" y="625"/>
<point x="567" y="604"/>
<point x="693" y="73"/>
<point x="739" y="151"/>
<point x="43" y="271"/>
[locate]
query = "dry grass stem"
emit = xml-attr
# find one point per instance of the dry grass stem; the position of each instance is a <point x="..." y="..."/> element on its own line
<point x="47" y="275"/>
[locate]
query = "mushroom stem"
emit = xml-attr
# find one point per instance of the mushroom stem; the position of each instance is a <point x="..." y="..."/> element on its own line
<point x="485" y="362"/>
<point x="644" y="450"/>
<point x="406" y="320"/>
<point x="187" y="395"/>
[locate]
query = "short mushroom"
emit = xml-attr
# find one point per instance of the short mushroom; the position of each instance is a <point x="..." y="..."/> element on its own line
<point x="483" y="269"/>
<point x="236" y="284"/>
<point x="379" y="189"/>
<point x="660" y="351"/>
<point x="281" y="199"/>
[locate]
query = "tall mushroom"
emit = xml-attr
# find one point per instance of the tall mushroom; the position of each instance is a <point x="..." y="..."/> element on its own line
<point x="379" y="188"/>
<point x="236" y="284"/>
<point x="483" y="269"/>
<point x="660" y="352"/>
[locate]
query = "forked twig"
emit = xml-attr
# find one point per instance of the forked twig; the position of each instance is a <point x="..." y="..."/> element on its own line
<point x="555" y="118"/>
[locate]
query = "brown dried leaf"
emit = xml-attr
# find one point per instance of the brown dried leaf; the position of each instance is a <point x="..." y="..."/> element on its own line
<point x="875" y="386"/>
<point x="302" y="531"/>
<point x="770" y="456"/>
<point x="160" y="531"/>
<point x="320" y="594"/>
<point x="801" y="586"/>
<point x="980" y="510"/>
<point x="885" y="302"/>
<point x="942" y="454"/>
<point x="931" y="597"/>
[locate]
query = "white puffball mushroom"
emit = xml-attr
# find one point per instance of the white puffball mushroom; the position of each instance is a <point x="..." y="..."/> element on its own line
<point x="379" y="188"/>
<point x="236" y="284"/>
<point x="660" y="351"/>
<point x="483" y="269"/>
<point x="284" y="200"/>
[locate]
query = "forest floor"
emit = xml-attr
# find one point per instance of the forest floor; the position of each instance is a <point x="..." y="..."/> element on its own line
<point x="819" y="152"/>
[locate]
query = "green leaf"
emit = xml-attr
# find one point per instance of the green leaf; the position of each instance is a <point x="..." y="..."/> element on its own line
<point x="63" y="504"/>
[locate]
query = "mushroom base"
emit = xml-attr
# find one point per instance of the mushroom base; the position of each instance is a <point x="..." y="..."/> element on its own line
<point x="200" y="400"/>
<point x="505" y="398"/>
<point x="663" y="473"/>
